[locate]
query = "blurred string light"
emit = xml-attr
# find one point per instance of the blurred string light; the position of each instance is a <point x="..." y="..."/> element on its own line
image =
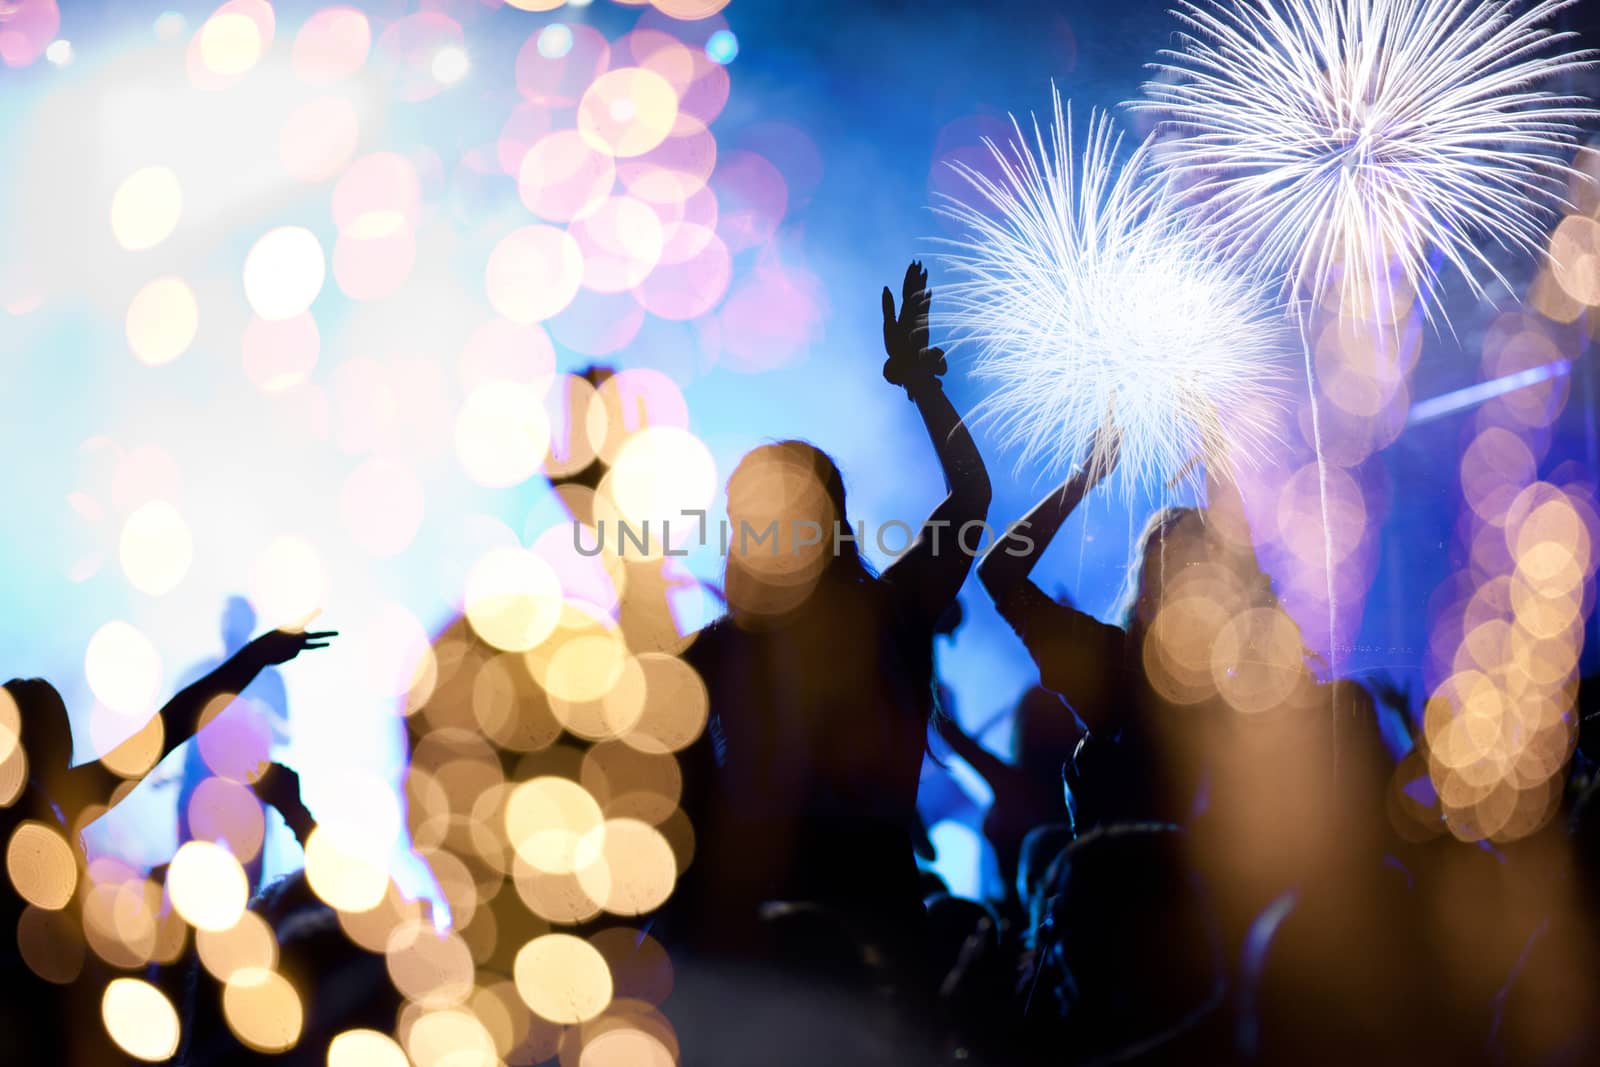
<point x="1087" y="302"/>
<point x="59" y="52"/>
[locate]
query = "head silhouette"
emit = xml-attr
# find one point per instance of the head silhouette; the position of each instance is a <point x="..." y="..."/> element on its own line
<point x="1128" y="937"/>
<point x="785" y="503"/>
<point x="46" y="730"/>
<point x="1174" y="540"/>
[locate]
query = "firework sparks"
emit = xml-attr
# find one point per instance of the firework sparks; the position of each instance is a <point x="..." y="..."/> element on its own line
<point x="1083" y="296"/>
<point x="1344" y="142"/>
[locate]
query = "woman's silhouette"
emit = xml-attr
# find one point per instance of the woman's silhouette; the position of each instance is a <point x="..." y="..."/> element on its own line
<point x="1201" y="709"/>
<point x="1135" y="762"/>
<point x="61" y="792"/>
<point x="34" y="1027"/>
<point x="820" y="676"/>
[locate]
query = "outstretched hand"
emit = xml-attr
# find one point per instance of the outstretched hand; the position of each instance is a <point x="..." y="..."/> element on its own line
<point x="911" y="361"/>
<point x="281" y="646"/>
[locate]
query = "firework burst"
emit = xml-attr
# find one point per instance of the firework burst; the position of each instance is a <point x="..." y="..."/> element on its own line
<point x="1084" y="297"/>
<point x="1345" y="142"/>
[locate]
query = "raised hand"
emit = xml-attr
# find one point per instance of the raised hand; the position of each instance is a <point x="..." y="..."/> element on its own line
<point x="281" y="646"/>
<point x="279" y="786"/>
<point x="911" y="361"/>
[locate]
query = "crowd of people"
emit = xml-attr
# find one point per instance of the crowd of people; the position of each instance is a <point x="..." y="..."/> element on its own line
<point x="1199" y="858"/>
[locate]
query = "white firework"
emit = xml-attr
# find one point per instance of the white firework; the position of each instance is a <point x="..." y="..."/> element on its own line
<point x="1345" y="142"/>
<point x="1085" y="299"/>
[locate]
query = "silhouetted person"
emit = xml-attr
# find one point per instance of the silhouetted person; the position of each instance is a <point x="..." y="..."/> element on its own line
<point x="821" y="676"/>
<point x="34" y="1028"/>
<point x="1028" y="792"/>
<point x="266" y="694"/>
<point x="1141" y="758"/>
<point x="1095" y="667"/>
<point x="341" y="985"/>
<point x="1130" y="961"/>
<point x="643" y="612"/>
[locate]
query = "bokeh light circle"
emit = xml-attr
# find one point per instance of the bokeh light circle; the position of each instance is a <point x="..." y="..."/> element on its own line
<point x="562" y="978"/>
<point x="123" y="668"/>
<point x="365" y="1048"/>
<point x="230" y="43"/>
<point x="156" y="548"/>
<point x="41" y="866"/>
<point x="341" y="872"/>
<point x="163" y="318"/>
<point x="331" y="45"/>
<point x="284" y="272"/>
<point x="502" y="434"/>
<point x="145" y="208"/>
<point x="262" y="1009"/>
<point x="634" y="871"/>
<point x="563" y="176"/>
<point x="249" y="942"/>
<point x="547" y="821"/>
<point x="207" y="885"/>
<point x="659" y="473"/>
<point x="533" y="273"/>
<point x="628" y="112"/>
<point x="140" y="1019"/>
<point x="689" y="10"/>
<point x="513" y="599"/>
<point x="621" y="242"/>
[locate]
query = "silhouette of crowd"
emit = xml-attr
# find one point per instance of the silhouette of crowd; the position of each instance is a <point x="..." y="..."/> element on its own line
<point x="1199" y="864"/>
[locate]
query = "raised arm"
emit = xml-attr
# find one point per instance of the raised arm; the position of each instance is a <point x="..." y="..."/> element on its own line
<point x="1008" y="564"/>
<point x="181" y="717"/>
<point x="1000" y="775"/>
<point x="1078" y="656"/>
<point x="937" y="564"/>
